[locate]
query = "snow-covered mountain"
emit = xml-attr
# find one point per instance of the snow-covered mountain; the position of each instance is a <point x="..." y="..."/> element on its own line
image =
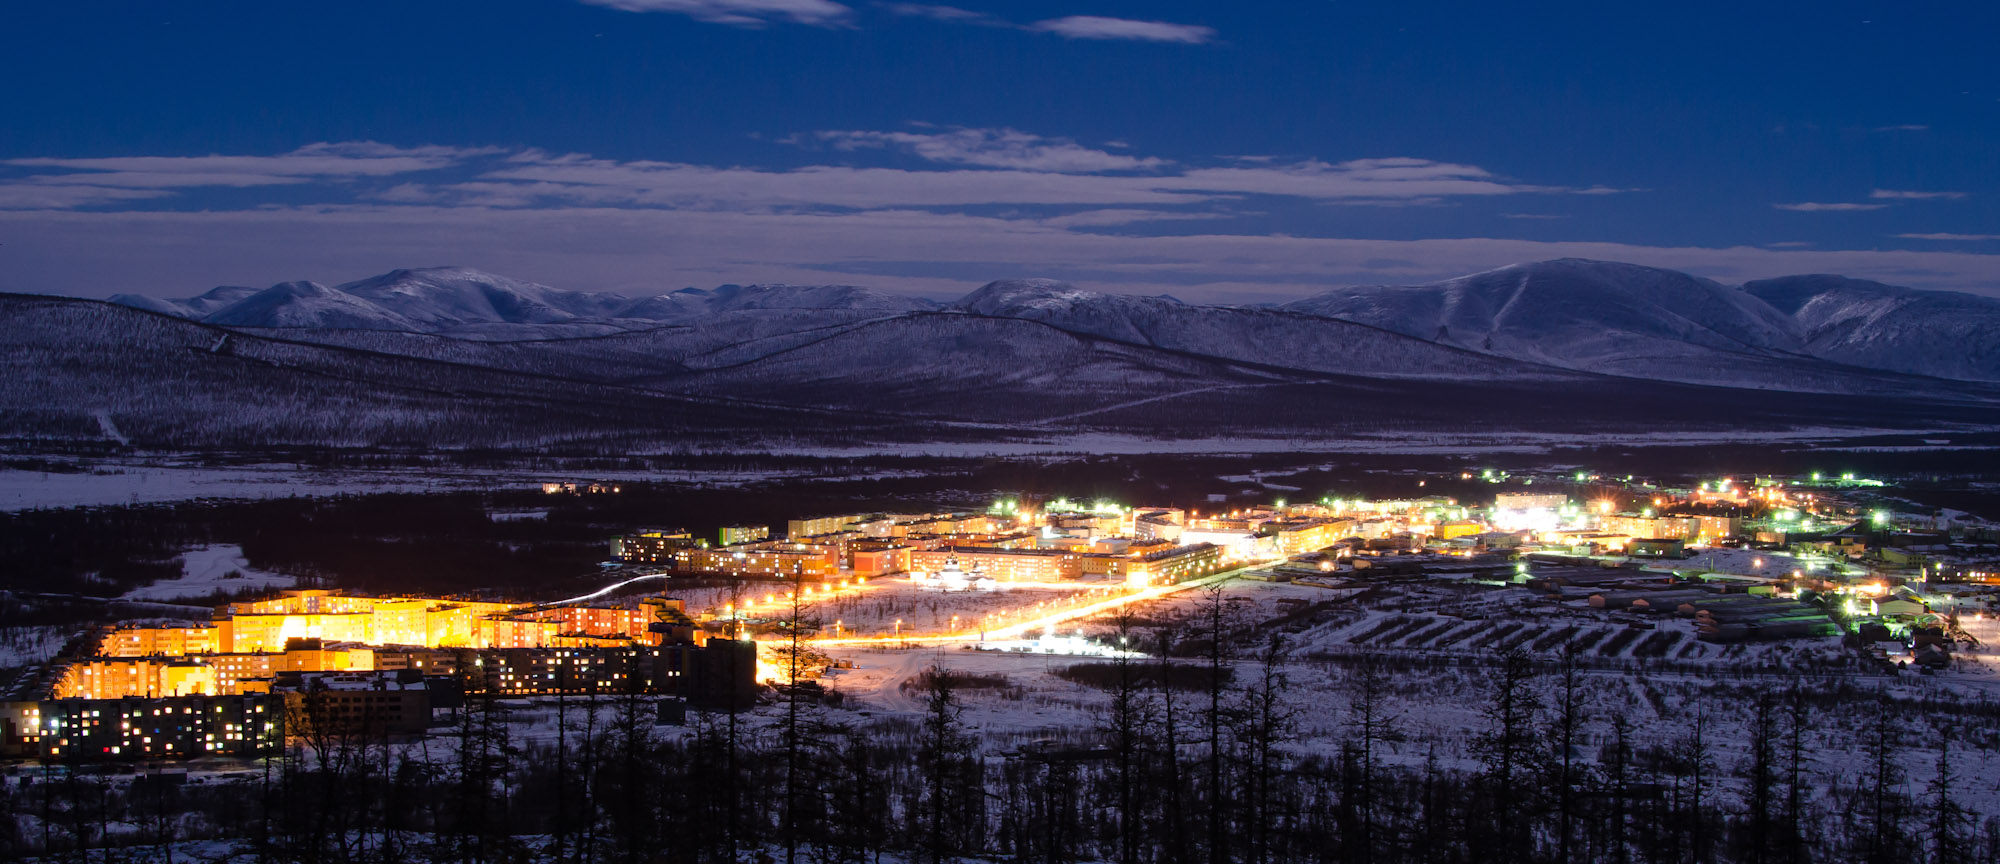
<point x="187" y="307"/>
<point x="465" y="302"/>
<point x="1565" y="345"/>
<point x="307" y="305"/>
<point x="438" y="298"/>
<point x="1940" y="333"/>
<point x="1279" y="338"/>
<point x="1578" y="314"/>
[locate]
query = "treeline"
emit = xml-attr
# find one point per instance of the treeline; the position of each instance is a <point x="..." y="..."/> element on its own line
<point x="1180" y="768"/>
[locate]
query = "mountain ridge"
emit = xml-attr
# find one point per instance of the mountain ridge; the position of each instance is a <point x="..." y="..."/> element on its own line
<point x="1564" y="343"/>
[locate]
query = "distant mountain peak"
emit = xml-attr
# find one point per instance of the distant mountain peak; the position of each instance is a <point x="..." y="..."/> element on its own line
<point x="307" y="304"/>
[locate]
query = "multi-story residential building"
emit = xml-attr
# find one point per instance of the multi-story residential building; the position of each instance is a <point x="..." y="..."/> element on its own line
<point x="160" y="640"/>
<point x="656" y="546"/>
<point x="167" y="727"/>
<point x="799" y="528"/>
<point x="731" y="535"/>
<point x="774" y="559"/>
<point x="1004" y="565"/>
<point x="1167" y="566"/>
<point x="323" y="705"/>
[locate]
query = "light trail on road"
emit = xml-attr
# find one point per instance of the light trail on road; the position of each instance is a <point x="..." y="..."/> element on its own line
<point x="607" y="589"/>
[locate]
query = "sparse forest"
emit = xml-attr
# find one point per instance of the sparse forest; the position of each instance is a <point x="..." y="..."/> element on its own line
<point x="1182" y="768"/>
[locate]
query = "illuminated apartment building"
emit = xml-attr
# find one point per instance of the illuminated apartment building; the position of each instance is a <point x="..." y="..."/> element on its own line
<point x="536" y="672"/>
<point x="620" y="622"/>
<point x="209" y="674"/>
<point x="174" y="727"/>
<point x="143" y="678"/>
<point x="513" y="633"/>
<point x="1651" y="527"/>
<point x="1004" y="565"/>
<point x="265" y="626"/>
<point x="879" y="558"/>
<point x="1167" y="566"/>
<point x="731" y="535"/>
<point x="1299" y="536"/>
<point x="1157" y="524"/>
<point x="650" y="547"/>
<point x="774" y="559"/>
<point x="160" y="641"/>
<point x="798" y="528"/>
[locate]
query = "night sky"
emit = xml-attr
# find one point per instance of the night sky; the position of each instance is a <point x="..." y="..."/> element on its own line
<point x="1225" y="152"/>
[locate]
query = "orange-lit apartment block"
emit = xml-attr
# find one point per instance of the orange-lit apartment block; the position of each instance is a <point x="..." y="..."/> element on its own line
<point x="265" y="626"/>
<point x="166" y="641"/>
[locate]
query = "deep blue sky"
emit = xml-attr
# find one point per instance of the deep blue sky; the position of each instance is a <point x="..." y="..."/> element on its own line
<point x="1217" y="150"/>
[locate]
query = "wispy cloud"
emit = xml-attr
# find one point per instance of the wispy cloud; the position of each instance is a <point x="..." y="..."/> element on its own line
<point x="1954" y="237"/>
<point x="1904" y="127"/>
<point x="963" y="168"/>
<point x="1820" y="207"/>
<point x="41" y="196"/>
<point x="1383" y="179"/>
<point x="1909" y="195"/>
<point x="1097" y="27"/>
<point x="1114" y="217"/>
<point x="996" y="177"/>
<point x="540" y="179"/>
<point x="741" y="13"/>
<point x="103" y="180"/>
<point x="993" y="148"/>
<point x="951" y="14"/>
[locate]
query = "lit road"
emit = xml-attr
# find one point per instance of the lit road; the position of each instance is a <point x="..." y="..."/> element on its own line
<point x="1020" y="628"/>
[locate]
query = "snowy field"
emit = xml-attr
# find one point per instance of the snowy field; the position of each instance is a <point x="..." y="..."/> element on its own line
<point x="166" y="477"/>
<point x="1439" y="669"/>
<point x="207" y="571"/>
<point x="22" y="646"/>
<point x="112" y="483"/>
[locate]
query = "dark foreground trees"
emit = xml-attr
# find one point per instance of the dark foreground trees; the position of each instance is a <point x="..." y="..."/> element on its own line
<point x="1550" y="774"/>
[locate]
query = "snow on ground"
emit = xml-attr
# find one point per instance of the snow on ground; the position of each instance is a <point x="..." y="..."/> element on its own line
<point x="21" y="646"/>
<point x="1746" y="562"/>
<point x="517" y="515"/>
<point x="1656" y="676"/>
<point x="206" y="570"/>
<point x="101" y="483"/>
<point x="1109" y="443"/>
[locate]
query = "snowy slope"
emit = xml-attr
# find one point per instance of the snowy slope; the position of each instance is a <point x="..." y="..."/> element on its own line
<point x="307" y="305"/>
<point x="80" y="370"/>
<point x="1248" y="335"/>
<point x="187" y="307"/>
<point x="1938" y="333"/>
<point x="1588" y="315"/>
<point x="440" y="297"/>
